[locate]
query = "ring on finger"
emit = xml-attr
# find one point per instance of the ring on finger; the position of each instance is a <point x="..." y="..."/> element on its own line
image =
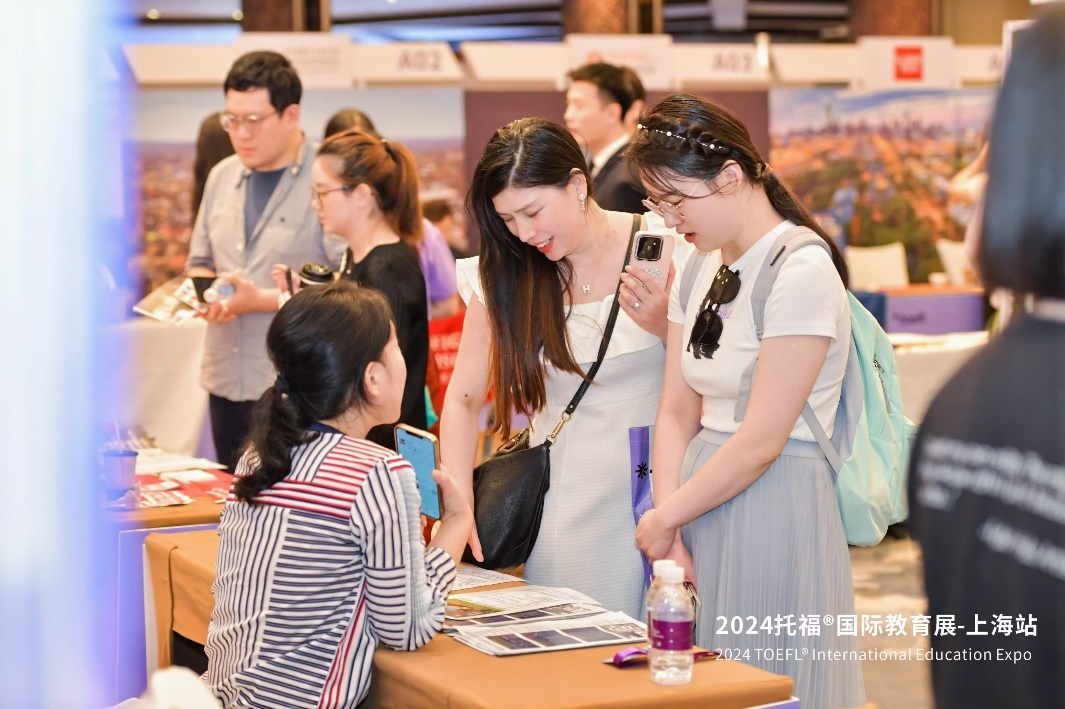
<point x="636" y="305"/>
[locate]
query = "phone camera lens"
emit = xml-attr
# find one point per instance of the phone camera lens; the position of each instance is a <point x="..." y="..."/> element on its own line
<point x="649" y="248"/>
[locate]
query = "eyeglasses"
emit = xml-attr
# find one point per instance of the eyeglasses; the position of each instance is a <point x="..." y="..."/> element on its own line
<point x="672" y="209"/>
<point x="232" y="123"/>
<point x="317" y="195"/>
<point x="706" y="333"/>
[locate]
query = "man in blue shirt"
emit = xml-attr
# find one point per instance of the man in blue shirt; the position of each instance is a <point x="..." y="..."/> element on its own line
<point x="256" y="212"/>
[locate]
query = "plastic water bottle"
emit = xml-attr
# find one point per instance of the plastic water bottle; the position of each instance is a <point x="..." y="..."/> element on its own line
<point x="656" y="585"/>
<point x="672" y="623"/>
<point x="218" y="291"/>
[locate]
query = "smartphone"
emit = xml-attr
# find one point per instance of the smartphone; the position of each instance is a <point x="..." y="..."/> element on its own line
<point x="201" y="283"/>
<point x="421" y="449"/>
<point x="653" y="253"/>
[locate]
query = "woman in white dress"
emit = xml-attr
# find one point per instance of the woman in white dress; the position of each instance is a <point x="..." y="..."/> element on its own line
<point x="749" y="494"/>
<point x="539" y="297"/>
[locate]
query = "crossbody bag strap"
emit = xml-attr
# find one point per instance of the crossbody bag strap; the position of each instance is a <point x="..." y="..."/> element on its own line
<point x="568" y="413"/>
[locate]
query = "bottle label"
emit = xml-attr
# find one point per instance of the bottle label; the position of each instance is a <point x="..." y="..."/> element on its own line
<point x="672" y="635"/>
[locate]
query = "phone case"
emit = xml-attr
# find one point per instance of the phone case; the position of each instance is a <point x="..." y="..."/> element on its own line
<point x="659" y="268"/>
<point x="201" y="283"/>
<point x="418" y="433"/>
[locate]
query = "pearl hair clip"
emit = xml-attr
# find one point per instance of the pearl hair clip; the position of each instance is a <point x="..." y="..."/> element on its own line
<point x="713" y="146"/>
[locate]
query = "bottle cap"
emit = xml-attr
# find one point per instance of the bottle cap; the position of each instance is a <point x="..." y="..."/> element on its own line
<point x="673" y="574"/>
<point x="660" y="565"/>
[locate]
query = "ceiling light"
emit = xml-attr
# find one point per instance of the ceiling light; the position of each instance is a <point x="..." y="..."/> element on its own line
<point x="238" y="15"/>
<point x="761" y="49"/>
<point x="152" y="14"/>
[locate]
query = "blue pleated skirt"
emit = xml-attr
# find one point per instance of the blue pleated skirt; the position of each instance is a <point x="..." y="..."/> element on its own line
<point x="778" y="551"/>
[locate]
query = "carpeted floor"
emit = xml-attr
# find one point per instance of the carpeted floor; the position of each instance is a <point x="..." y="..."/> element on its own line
<point x="887" y="580"/>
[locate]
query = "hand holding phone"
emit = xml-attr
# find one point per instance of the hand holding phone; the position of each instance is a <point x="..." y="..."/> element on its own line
<point x="653" y="253"/>
<point x="422" y="451"/>
<point x="201" y="284"/>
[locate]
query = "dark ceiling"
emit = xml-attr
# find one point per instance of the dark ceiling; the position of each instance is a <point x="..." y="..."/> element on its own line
<point x="527" y="20"/>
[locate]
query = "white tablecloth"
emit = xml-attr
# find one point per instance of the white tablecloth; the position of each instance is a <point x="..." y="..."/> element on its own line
<point x="160" y="378"/>
<point x="926" y="363"/>
<point x="164" y="397"/>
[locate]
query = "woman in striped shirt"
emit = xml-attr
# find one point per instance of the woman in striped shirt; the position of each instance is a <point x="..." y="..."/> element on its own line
<point x="321" y="553"/>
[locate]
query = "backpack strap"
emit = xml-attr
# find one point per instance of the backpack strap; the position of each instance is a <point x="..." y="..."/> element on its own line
<point x="786" y="244"/>
<point x="692" y="267"/>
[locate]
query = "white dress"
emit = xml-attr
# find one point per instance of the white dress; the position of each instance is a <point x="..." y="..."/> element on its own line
<point x="586" y="539"/>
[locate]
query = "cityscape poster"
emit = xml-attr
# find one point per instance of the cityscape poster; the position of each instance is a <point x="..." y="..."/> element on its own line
<point x="875" y="167"/>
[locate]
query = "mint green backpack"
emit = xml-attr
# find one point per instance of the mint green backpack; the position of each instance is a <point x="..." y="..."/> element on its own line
<point x="870" y="446"/>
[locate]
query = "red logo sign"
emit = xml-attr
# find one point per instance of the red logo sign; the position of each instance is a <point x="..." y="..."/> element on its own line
<point x="909" y="63"/>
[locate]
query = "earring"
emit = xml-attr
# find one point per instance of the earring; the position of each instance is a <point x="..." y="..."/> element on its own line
<point x="582" y="197"/>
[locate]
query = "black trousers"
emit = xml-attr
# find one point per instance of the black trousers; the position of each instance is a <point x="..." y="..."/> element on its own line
<point x="230" y="424"/>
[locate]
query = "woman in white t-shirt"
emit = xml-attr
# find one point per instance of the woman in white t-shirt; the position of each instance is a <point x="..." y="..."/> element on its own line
<point x="749" y="509"/>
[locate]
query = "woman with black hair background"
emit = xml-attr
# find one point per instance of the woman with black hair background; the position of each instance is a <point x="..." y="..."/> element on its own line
<point x="987" y="476"/>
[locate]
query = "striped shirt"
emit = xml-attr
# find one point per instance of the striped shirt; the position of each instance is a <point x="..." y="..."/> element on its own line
<point x="328" y="562"/>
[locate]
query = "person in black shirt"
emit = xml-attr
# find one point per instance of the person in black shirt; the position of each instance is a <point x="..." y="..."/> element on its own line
<point x="366" y="191"/>
<point x="987" y="475"/>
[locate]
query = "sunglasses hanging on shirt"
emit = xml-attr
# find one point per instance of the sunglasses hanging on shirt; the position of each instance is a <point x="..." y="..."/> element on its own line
<point x="706" y="332"/>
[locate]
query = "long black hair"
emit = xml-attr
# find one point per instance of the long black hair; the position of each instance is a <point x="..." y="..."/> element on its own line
<point x="688" y="137"/>
<point x="524" y="291"/>
<point x="212" y="147"/>
<point x="321" y="343"/>
<point x="1022" y="240"/>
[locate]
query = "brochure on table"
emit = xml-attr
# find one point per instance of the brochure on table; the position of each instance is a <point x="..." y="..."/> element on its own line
<point x="561" y="610"/>
<point x="507" y="600"/>
<point x="606" y="628"/>
<point x="175" y="302"/>
<point x="475" y="577"/>
<point x="527" y="619"/>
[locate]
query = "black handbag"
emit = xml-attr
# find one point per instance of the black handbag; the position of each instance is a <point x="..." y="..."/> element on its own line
<point x="509" y="488"/>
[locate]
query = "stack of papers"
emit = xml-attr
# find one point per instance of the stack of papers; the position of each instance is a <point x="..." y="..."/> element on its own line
<point x="603" y="629"/>
<point x="527" y="619"/>
<point x="473" y="576"/>
<point x="155" y="460"/>
<point x="957" y="340"/>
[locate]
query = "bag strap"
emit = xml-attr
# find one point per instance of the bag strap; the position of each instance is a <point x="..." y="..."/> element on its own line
<point x="687" y="279"/>
<point x="568" y="413"/>
<point x="786" y="244"/>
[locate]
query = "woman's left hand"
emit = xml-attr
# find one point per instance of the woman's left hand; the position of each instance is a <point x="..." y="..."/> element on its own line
<point x="653" y="536"/>
<point x="645" y="301"/>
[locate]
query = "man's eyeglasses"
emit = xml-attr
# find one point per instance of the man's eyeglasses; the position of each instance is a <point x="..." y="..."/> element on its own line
<point x="706" y="333"/>
<point x="317" y="195"/>
<point x="232" y="123"/>
<point x="672" y="209"/>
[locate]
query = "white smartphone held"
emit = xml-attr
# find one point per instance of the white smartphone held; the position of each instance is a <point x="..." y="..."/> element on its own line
<point x="421" y="449"/>
<point x="653" y="253"/>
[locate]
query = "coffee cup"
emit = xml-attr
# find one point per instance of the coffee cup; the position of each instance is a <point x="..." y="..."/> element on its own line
<point x="315" y="274"/>
<point x="118" y="468"/>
